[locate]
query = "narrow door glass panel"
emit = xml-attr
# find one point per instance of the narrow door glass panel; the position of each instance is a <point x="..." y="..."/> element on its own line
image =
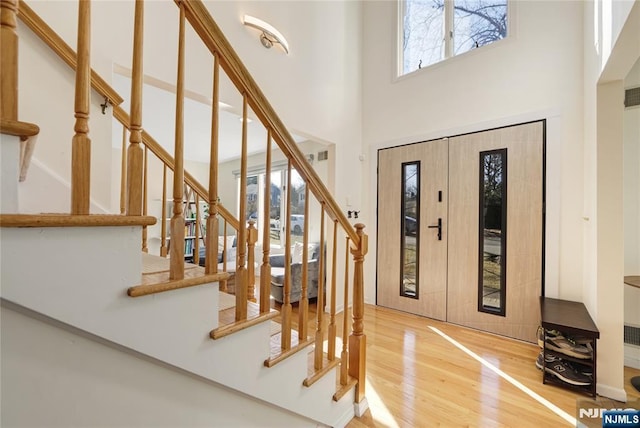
<point x="493" y="232"/>
<point x="410" y="231"/>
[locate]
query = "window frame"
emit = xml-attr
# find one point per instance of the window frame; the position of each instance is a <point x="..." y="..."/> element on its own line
<point x="449" y="57"/>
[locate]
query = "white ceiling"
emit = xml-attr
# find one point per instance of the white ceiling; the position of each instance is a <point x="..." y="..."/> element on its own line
<point x="159" y="106"/>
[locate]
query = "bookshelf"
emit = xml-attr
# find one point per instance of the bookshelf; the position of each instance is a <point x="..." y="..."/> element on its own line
<point x="190" y="225"/>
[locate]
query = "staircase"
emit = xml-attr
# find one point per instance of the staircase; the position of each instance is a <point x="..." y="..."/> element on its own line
<point x="76" y="277"/>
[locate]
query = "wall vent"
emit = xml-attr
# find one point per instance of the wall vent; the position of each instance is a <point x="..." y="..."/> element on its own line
<point x="632" y="335"/>
<point x="324" y="155"/>
<point x="632" y="97"/>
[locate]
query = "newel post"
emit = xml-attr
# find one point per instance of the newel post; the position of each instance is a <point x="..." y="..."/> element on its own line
<point x="357" y="339"/>
<point x="9" y="60"/>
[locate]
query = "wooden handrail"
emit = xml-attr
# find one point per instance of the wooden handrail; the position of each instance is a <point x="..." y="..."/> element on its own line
<point x="60" y="47"/>
<point x="18" y="129"/>
<point x="68" y="220"/>
<point x="211" y="35"/>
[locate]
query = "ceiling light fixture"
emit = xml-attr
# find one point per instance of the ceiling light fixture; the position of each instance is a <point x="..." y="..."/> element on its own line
<point x="269" y="34"/>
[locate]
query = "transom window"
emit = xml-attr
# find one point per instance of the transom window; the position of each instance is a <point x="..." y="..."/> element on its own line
<point x="434" y="30"/>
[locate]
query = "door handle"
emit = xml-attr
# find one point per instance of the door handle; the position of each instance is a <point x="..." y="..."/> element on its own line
<point x="439" y="227"/>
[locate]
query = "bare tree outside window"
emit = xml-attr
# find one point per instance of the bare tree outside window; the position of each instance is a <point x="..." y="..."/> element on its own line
<point x="474" y="23"/>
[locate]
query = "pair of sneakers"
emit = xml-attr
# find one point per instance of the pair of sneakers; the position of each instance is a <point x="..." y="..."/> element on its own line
<point x="556" y="341"/>
<point x="573" y="374"/>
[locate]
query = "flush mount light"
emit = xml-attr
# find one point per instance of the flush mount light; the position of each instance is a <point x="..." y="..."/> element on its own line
<point x="269" y="34"/>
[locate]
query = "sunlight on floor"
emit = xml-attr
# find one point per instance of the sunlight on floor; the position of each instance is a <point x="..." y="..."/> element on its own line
<point x="379" y="411"/>
<point x="564" y="415"/>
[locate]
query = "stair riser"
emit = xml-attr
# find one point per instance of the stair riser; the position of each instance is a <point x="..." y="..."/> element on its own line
<point x="9" y="173"/>
<point x="81" y="279"/>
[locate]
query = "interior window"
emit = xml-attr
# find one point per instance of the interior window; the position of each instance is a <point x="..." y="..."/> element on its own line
<point x="277" y="204"/>
<point x="434" y="30"/>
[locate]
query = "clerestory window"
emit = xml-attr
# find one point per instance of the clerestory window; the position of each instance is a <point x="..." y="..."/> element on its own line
<point x="434" y="30"/>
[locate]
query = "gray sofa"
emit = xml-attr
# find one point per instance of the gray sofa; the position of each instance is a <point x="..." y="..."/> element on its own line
<point x="278" y="271"/>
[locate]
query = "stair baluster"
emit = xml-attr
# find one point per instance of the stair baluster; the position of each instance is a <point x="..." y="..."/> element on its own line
<point x="303" y="305"/>
<point x="317" y="359"/>
<point x="81" y="144"/>
<point x="344" y="360"/>
<point x="177" y="220"/>
<point x="265" y="269"/>
<point x="241" y="270"/>
<point x="331" y="342"/>
<point x="134" y="155"/>
<point x="211" y="240"/>
<point x="123" y="172"/>
<point x="163" y="216"/>
<point x="286" y="308"/>
<point x="145" y="200"/>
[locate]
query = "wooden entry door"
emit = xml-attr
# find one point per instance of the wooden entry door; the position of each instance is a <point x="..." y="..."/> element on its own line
<point x="412" y="249"/>
<point x="485" y="271"/>
<point x="495" y="270"/>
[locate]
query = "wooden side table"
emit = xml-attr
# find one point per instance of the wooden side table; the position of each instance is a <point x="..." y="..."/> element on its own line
<point x="572" y="319"/>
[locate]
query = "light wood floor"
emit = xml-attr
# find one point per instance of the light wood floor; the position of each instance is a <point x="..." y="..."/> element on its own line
<point x="416" y="378"/>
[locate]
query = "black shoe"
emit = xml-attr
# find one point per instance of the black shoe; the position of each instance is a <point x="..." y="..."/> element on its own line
<point x="565" y="372"/>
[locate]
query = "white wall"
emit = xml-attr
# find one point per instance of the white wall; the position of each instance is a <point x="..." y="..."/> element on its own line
<point x="631" y="196"/>
<point x="611" y="47"/>
<point x="57" y="378"/>
<point x="535" y="74"/>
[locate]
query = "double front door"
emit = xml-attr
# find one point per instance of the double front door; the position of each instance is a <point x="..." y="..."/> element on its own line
<point x="460" y="228"/>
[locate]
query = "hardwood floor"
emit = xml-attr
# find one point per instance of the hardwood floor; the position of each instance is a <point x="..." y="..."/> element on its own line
<point x="417" y="378"/>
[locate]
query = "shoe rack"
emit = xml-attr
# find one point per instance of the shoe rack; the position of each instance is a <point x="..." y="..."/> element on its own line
<point x="571" y="319"/>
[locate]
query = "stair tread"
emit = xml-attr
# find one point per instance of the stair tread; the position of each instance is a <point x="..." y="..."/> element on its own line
<point x="74" y="220"/>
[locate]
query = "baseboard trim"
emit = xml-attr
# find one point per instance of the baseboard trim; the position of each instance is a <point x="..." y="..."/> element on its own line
<point x="345" y="418"/>
<point x="632" y="356"/>
<point x="361" y="407"/>
<point x="633" y="362"/>
<point x="617" y="394"/>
